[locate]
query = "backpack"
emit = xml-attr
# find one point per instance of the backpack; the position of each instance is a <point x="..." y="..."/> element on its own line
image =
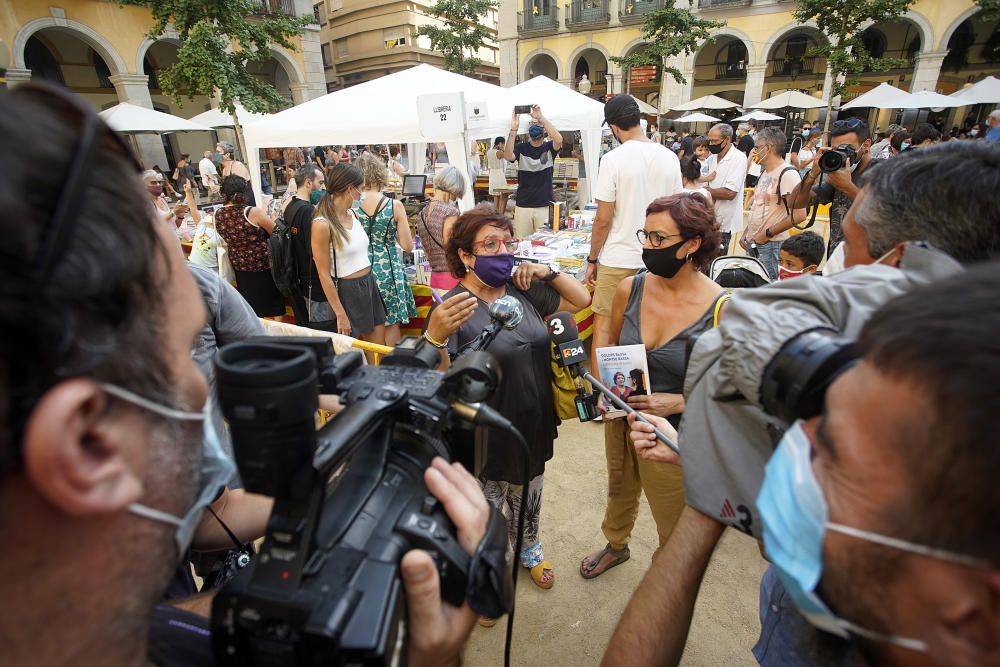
<point x="284" y="269"/>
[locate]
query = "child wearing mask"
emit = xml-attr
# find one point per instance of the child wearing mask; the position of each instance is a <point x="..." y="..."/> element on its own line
<point x="800" y="254"/>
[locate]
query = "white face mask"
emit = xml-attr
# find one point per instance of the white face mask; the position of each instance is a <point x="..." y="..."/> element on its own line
<point x="217" y="468"/>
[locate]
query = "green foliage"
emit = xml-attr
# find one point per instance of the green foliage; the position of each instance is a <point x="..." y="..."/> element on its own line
<point x="990" y="10"/>
<point x="205" y="62"/>
<point x="670" y="31"/>
<point x="462" y="34"/>
<point x="843" y="23"/>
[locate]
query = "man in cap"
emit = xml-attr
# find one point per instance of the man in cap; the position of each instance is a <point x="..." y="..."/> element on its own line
<point x="535" y="159"/>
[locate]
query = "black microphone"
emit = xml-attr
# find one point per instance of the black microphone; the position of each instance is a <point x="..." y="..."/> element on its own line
<point x="505" y="313"/>
<point x="570" y="353"/>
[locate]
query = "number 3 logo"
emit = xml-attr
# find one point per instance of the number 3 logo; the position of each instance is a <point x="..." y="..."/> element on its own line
<point x="557" y="327"/>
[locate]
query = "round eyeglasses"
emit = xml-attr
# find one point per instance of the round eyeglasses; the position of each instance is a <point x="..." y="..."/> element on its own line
<point x="655" y="239"/>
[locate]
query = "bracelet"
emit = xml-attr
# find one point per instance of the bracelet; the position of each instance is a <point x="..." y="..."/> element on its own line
<point x="436" y="343"/>
<point x="553" y="274"/>
<point x="591" y="261"/>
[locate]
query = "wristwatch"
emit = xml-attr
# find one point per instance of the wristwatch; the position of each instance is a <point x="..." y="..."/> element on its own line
<point x="591" y="261"/>
<point x="553" y="274"/>
<point x="768" y="233"/>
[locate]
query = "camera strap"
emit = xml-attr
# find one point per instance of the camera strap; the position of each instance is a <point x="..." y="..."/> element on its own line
<point x="489" y="589"/>
<point x="784" y="201"/>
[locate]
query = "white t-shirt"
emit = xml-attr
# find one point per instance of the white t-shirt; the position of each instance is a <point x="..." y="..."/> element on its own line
<point x="730" y="173"/>
<point x="209" y="174"/>
<point x="633" y="175"/>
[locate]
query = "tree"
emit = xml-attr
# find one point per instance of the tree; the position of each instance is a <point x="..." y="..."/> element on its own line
<point x="670" y="31"/>
<point x="218" y="39"/>
<point x="843" y="23"/>
<point x="462" y="33"/>
<point x="990" y="10"/>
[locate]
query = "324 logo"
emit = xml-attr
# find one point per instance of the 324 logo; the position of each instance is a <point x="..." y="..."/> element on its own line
<point x="729" y="514"/>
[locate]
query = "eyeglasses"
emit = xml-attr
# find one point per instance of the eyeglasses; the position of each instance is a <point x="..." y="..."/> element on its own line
<point x="655" y="239"/>
<point x="59" y="229"/>
<point x="492" y="246"/>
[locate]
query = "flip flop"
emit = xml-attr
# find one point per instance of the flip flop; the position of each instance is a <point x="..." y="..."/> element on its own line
<point x="538" y="572"/>
<point x="487" y="622"/>
<point x="588" y="569"/>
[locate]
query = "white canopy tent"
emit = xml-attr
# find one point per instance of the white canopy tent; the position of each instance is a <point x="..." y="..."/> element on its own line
<point x="220" y="118"/>
<point x="986" y="91"/>
<point x="380" y="111"/>
<point x="790" y="99"/>
<point x="132" y="119"/>
<point x="928" y="99"/>
<point x="566" y="109"/>
<point x="706" y="102"/>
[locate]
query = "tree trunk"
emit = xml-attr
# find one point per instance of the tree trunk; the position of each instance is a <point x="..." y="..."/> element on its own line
<point x="241" y="144"/>
<point x="829" y="112"/>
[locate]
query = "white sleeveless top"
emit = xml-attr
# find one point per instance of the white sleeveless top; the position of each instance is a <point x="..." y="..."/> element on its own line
<point x="352" y="256"/>
<point x="703" y="191"/>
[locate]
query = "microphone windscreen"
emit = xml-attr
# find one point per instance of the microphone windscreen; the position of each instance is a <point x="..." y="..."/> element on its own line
<point x="508" y="311"/>
<point x="562" y="327"/>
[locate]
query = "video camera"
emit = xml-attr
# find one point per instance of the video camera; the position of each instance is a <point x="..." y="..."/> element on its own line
<point x="349" y="499"/>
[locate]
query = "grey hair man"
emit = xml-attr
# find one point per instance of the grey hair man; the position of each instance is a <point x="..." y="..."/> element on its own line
<point x="880" y="149"/>
<point x="903" y="202"/>
<point x="770" y="216"/>
<point x="994" y="121"/>
<point x="209" y="174"/>
<point x="727" y="168"/>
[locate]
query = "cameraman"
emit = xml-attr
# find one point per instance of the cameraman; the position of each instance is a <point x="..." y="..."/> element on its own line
<point x="904" y="199"/>
<point x="839" y="188"/>
<point x="881" y="514"/>
<point x="103" y="425"/>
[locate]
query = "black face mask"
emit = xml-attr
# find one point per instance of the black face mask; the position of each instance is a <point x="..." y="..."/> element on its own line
<point x="663" y="262"/>
<point x="715" y="149"/>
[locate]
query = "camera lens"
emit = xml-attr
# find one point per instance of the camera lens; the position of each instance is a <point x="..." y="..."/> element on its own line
<point x="832" y="161"/>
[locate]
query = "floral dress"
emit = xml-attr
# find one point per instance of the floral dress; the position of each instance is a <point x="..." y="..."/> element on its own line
<point x="386" y="263"/>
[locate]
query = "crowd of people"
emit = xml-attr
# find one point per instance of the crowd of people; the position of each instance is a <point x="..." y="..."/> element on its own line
<point x="879" y="512"/>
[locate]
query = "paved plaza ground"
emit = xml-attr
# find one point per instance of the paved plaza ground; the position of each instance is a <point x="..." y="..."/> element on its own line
<point x="571" y="623"/>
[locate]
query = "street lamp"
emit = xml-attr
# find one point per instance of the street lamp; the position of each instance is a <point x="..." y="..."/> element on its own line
<point x="584" y="86"/>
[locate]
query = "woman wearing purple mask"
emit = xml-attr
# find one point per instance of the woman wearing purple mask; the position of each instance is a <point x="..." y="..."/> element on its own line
<point x="480" y="253"/>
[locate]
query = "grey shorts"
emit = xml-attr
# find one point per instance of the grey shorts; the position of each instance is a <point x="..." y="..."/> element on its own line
<point x="361" y="300"/>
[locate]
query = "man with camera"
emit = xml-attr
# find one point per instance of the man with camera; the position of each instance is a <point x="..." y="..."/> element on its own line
<point x="733" y="417"/>
<point x="107" y="452"/>
<point x="535" y="162"/>
<point x="836" y="175"/>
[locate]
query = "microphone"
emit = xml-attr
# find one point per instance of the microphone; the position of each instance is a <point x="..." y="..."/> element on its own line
<point x="570" y="353"/>
<point x="505" y="313"/>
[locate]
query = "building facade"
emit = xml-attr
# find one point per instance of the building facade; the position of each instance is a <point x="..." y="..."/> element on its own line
<point x="100" y="50"/>
<point x="761" y="50"/>
<point x="362" y="40"/>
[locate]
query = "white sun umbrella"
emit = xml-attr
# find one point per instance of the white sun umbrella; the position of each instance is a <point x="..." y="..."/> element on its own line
<point x="647" y="108"/>
<point x="986" y="91"/>
<point x="882" y="96"/>
<point x="790" y="99"/>
<point x="695" y="118"/>
<point x="928" y="99"/>
<point x="707" y="102"/>
<point x="220" y="118"/>
<point x="132" y="119"/>
<point x="759" y="115"/>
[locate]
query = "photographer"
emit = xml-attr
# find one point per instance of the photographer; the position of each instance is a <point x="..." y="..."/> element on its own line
<point x="839" y="188"/>
<point x="904" y="199"/>
<point x="103" y="424"/>
<point x="880" y="514"/>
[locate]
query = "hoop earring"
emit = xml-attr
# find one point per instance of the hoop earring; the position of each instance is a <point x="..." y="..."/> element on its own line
<point x="687" y="257"/>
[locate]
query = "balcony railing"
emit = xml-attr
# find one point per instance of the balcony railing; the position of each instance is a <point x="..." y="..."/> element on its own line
<point x="719" y="4"/>
<point x="731" y="70"/>
<point x="286" y="7"/>
<point x="587" y="13"/>
<point x="795" y="67"/>
<point x="530" y="22"/>
<point x="635" y="11"/>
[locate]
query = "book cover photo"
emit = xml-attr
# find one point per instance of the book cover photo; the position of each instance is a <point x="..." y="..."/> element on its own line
<point x="623" y="370"/>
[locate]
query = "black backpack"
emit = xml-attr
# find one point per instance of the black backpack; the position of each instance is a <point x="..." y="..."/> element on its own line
<point x="284" y="269"/>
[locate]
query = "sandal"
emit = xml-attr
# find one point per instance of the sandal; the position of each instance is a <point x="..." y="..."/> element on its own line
<point x="590" y="569"/>
<point x="538" y="572"/>
<point x="487" y="622"/>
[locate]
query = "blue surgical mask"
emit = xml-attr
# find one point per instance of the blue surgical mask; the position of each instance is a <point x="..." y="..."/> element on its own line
<point x="217" y="468"/>
<point x="903" y="146"/>
<point x="796" y="519"/>
<point x="805" y="133"/>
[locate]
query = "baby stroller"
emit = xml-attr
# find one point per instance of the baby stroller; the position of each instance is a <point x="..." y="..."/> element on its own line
<point x="736" y="271"/>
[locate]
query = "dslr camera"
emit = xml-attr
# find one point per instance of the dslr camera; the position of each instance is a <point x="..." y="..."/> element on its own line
<point x="836" y="158"/>
<point x="349" y="499"/>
